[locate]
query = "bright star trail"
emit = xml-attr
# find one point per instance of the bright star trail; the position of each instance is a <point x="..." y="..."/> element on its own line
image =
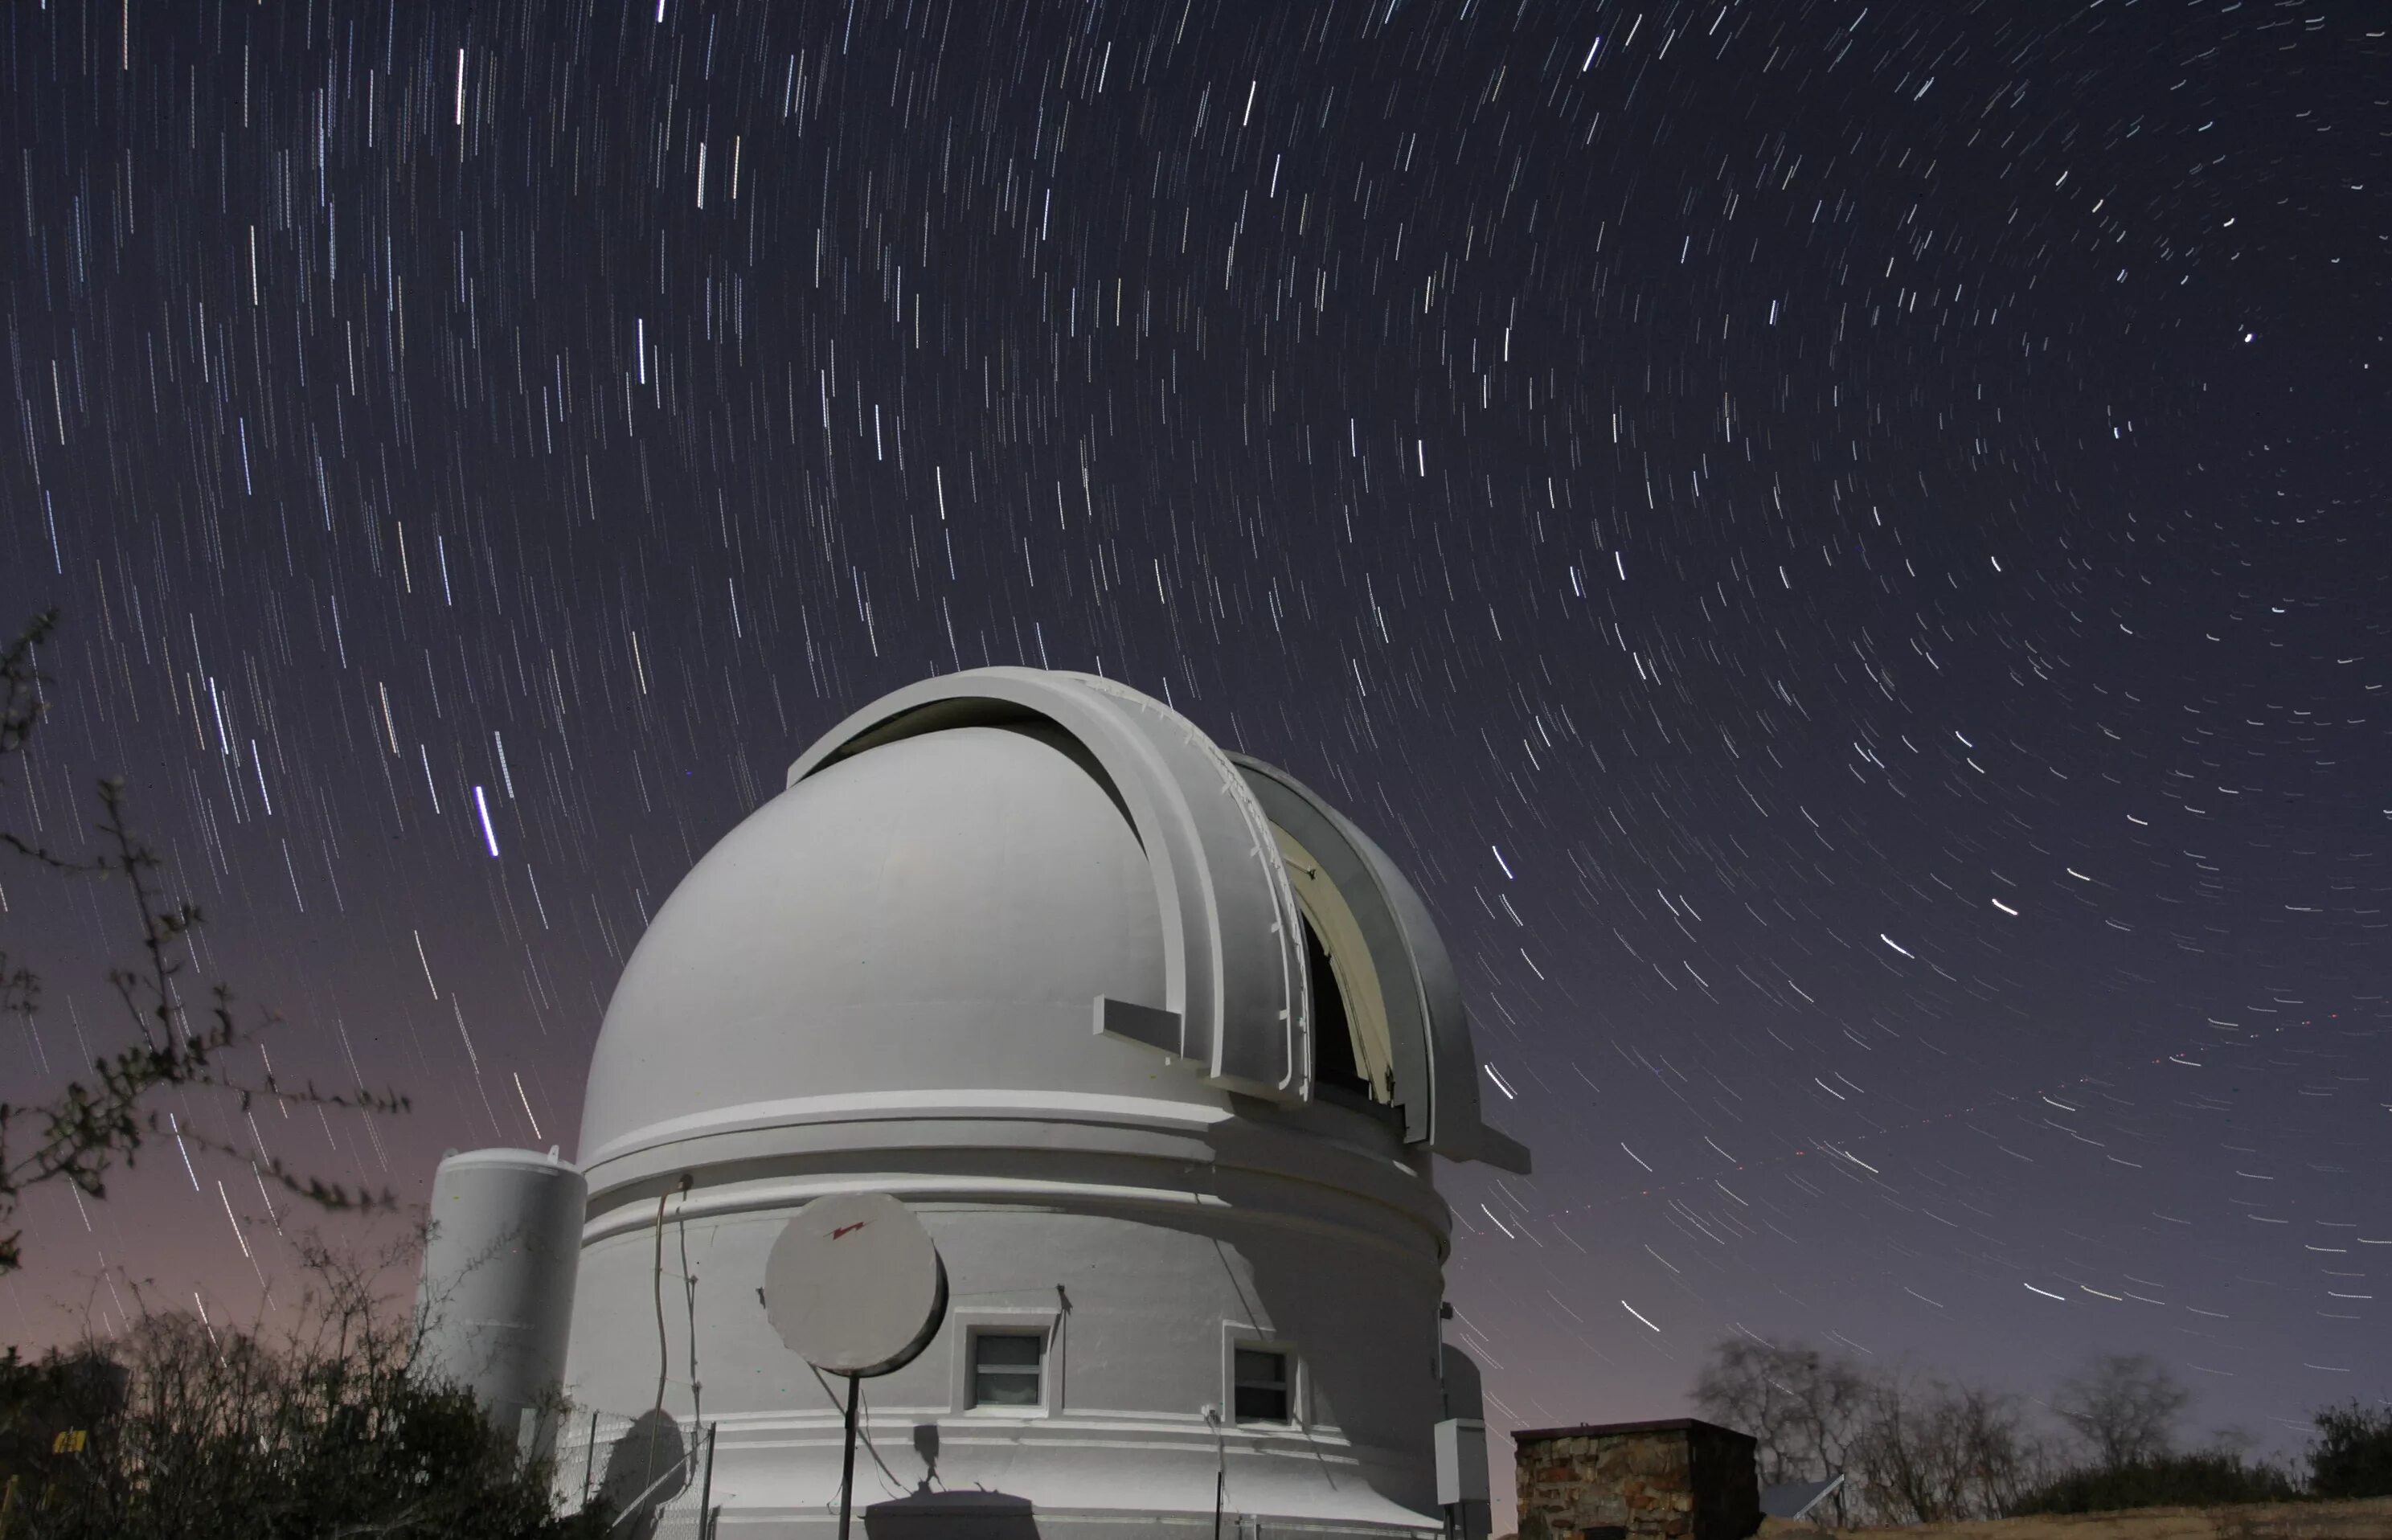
<point x="1845" y="547"/>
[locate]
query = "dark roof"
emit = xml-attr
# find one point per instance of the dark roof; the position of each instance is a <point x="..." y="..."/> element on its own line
<point x="1796" y="1499"/>
<point x="1607" y="1430"/>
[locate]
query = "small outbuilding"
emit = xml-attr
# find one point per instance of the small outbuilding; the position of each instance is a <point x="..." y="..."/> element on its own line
<point x="1679" y="1478"/>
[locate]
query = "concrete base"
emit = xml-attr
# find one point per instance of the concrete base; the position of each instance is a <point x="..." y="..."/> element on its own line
<point x="958" y="1516"/>
<point x="998" y="1522"/>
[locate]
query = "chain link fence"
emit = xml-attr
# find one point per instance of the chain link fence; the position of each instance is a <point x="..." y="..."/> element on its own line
<point x="654" y="1473"/>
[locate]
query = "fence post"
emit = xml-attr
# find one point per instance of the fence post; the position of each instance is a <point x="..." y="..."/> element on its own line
<point x="589" y="1460"/>
<point x="706" y="1486"/>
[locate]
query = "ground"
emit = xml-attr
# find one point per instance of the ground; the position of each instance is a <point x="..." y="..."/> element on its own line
<point x="2368" y="1520"/>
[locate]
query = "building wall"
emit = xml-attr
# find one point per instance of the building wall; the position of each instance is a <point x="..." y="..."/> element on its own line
<point x="1142" y="1272"/>
<point x="1686" y="1482"/>
<point x="1726" y="1483"/>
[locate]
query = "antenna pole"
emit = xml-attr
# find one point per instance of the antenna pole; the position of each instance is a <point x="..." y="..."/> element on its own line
<point x="847" y="1467"/>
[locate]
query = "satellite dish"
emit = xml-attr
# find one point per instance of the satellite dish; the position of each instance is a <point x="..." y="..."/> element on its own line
<point x="855" y="1286"/>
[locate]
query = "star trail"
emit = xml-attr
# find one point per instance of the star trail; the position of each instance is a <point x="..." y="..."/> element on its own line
<point x="1845" y="547"/>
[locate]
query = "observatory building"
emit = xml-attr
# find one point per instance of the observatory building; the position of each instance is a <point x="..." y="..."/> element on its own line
<point x="1161" y="1047"/>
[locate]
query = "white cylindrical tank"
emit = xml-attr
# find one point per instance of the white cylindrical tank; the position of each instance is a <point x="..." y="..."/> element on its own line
<point x="499" y="1268"/>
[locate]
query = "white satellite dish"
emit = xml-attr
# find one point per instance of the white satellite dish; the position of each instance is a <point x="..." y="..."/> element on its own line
<point x="855" y="1286"/>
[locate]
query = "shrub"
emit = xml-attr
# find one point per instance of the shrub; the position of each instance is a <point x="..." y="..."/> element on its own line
<point x="183" y="1430"/>
<point x="2170" y="1480"/>
<point x="2353" y="1455"/>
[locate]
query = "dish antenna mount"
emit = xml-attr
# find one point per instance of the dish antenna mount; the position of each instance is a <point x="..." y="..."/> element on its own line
<point x="855" y="1288"/>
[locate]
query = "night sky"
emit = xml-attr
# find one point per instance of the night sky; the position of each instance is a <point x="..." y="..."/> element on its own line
<point x="1844" y="546"/>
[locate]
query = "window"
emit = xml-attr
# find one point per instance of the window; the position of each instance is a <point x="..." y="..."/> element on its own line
<point x="1005" y="1368"/>
<point x="1006" y="1362"/>
<point x="1262" y="1387"/>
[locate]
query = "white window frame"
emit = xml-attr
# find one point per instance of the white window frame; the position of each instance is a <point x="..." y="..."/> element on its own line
<point x="966" y="1325"/>
<point x="1236" y="1335"/>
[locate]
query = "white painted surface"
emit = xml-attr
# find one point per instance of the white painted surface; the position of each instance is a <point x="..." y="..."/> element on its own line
<point x="1143" y="1307"/>
<point x="853" y="1285"/>
<point x="1462" y="1461"/>
<point x="919" y="919"/>
<point x="884" y="981"/>
<point x="498" y="1270"/>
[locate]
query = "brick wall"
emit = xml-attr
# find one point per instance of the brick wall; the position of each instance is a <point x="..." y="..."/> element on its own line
<point x="1680" y="1480"/>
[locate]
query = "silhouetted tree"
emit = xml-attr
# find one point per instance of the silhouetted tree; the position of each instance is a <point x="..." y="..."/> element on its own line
<point x="2124" y="1406"/>
<point x="1931" y="1450"/>
<point x="1926" y="1448"/>
<point x="2205" y="1479"/>
<point x="1915" y="1448"/>
<point x="2353" y="1455"/>
<point x="85" y="1131"/>
<point x="1803" y="1407"/>
<point x="329" y="1431"/>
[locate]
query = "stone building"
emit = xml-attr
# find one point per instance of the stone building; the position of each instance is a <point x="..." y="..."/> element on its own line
<point x="1679" y="1478"/>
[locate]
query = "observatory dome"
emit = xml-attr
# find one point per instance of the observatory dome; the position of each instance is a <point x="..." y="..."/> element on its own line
<point x="1163" y="1051"/>
<point x="1010" y="891"/>
<point x="934" y="913"/>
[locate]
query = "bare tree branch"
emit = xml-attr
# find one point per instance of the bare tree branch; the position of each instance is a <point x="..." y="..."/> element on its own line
<point x="331" y="1428"/>
<point x="85" y="1131"/>
<point x="2124" y="1406"/>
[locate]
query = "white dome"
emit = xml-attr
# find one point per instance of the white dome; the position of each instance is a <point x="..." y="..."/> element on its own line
<point x="935" y="913"/>
<point x="1157" y="1044"/>
<point x="1008" y="886"/>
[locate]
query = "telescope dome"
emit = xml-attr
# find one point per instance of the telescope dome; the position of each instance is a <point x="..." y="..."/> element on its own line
<point x="934" y="913"/>
<point x="1162" y="1047"/>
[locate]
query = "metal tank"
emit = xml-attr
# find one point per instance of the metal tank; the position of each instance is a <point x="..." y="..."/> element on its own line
<point x="496" y="1300"/>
